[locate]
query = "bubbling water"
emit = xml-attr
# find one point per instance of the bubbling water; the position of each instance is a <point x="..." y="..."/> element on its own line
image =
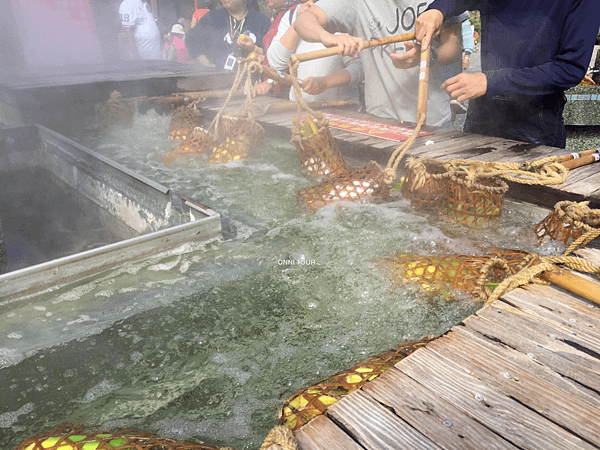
<point x="204" y="342"/>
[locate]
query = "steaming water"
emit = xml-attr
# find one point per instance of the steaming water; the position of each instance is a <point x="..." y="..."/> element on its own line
<point x="206" y="341"/>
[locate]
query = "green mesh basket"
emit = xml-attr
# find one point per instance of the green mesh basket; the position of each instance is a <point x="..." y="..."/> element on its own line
<point x="79" y="437"/>
<point x="313" y="401"/>
<point x="474" y="202"/>
<point x="462" y="272"/>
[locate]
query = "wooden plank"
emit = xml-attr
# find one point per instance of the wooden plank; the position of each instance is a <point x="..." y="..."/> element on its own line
<point x="537" y="352"/>
<point x="506" y="417"/>
<point x="554" y="340"/>
<point x="552" y="304"/>
<point x="544" y="398"/>
<point x="553" y="372"/>
<point x="322" y="434"/>
<point x="543" y="316"/>
<point x="375" y="427"/>
<point x="433" y="417"/>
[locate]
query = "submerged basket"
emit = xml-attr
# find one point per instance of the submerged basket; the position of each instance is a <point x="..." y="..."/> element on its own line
<point x="79" y="437"/>
<point x="199" y="141"/>
<point x="462" y="272"/>
<point x="318" y="152"/>
<point x="568" y="221"/>
<point x="357" y="185"/>
<point x="425" y="183"/>
<point x="240" y="137"/>
<point x="183" y="121"/>
<point x="117" y="112"/>
<point x="474" y="202"/>
<point x="313" y="401"/>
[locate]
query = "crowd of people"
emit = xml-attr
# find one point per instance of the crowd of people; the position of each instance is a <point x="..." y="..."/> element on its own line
<point x="530" y="54"/>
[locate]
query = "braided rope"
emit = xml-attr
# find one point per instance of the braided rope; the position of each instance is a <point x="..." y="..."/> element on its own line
<point x="321" y="121"/>
<point x="243" y="70"/>
<point x="534" y="265"/>
<point x="280" y="436"/>
<point x="398" y="154"/>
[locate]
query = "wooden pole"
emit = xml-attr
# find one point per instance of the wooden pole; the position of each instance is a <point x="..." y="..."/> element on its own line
<point x="423" y="83"/>
<point x="581" y="161"/>
<point x="576" y="155"/>
<point x="573" y="283"/>
<point x="273" y="74"/>
<point x="309" y="56"/>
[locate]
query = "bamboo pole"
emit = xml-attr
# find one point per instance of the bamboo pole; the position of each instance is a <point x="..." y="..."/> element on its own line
<point x="286" y="106"/>
<point x="309" y="56"/>
<point x="563" y="158"/>
<point x="581" y="161"/>
<point x="275" y="75"/>
<point x="573" y="283"/>
<point x="576" y="155"/>
<point x="423" y="83"/>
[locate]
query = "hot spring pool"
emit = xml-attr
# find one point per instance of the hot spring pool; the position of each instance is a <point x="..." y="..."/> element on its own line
<point x="206" y="341"/>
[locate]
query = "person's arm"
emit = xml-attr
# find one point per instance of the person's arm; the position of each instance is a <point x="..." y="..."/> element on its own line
<point x="278" y="53"/>
<point x="311" y="25"/>
<point x="317" y="85"/>
<point x="352" y="73"/>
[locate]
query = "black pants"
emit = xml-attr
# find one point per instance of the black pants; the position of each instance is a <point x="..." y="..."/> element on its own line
<point x="537" y="120"/>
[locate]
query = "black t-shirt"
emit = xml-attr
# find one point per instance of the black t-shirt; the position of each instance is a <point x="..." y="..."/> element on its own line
<point x="212" y="35"/>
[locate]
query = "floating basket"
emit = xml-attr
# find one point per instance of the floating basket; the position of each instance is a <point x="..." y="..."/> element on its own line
<point x="317" y="150"/>
<point x="568" y="221"/>
<point x="117" y="112"/>
<point x="425" y="183"/>
<point x="78" y="437"/>
<point x="357" y="185"/>
<point x="313" y="401"/>
<point x="465" y="272"/>
<point x="474" y="202"/>
<point x="183" y="121"/>
<point x="240" y="137"/>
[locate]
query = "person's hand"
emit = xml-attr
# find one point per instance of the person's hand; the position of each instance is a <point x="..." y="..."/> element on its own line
<point x="261" y="88"/>
<point x="246" y="44"/>
<point x="466" y="86"/>
<point x="427" y="26"/>
<point x="466" y="63"/>
<point x="314" y="85"/>
<point x="347" y="45"/>
<point x="410" y="58"/>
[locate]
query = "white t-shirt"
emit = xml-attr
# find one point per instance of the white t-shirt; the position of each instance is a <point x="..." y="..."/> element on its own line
<point x="389" y="92"/>
<point x="137" y="15"/>
<point x="279" y="56"/>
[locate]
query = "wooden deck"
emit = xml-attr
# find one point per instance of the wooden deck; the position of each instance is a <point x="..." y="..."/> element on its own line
<point x="583" y="183"/>
<point x="522" y="373"/>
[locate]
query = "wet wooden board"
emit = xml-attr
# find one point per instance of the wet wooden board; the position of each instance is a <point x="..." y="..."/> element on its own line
<point x="523" y="372"/>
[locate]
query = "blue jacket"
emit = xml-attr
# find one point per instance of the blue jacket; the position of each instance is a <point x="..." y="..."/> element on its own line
<point x="532" y="47"/>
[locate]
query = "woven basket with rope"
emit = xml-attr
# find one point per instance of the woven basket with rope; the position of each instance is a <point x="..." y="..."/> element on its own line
<point x="116" y="112"/>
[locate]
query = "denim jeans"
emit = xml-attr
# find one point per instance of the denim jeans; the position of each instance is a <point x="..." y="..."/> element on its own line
<point x="537" y="120"/>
